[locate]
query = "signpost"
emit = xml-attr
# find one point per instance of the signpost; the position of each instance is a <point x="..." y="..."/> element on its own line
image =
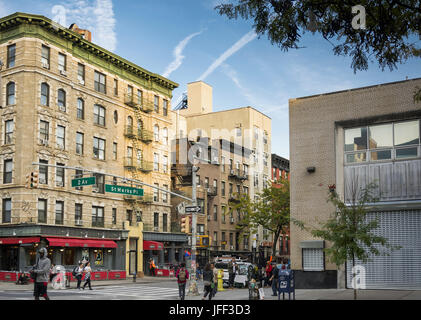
<point x="193" y="209"/>
<point x="123" y="190"/>
<point x="82" y="182"/>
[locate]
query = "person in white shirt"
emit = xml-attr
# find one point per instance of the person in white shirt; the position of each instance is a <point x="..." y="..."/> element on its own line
<point x="87" y="271"/>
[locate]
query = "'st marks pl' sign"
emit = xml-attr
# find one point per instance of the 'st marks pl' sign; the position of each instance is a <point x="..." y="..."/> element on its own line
<point x="123" y="190"/>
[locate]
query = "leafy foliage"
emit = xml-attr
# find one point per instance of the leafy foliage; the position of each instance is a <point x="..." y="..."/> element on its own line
<point x="390" y="24"/>
<point x="271" y="210"/>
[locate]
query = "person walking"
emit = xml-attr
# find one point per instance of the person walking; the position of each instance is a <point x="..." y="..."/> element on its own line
<point x="152" y="267"/>
<point x="215" y="280"/>
<point x="41" y="273"/>
<point x="87" y="270"/>
<point x="182" y="275"/>
<point x="268" y="271"/>
<point x="275" y="275"/>
<point x="207" y="282"/>
<point x="79" y="275"/>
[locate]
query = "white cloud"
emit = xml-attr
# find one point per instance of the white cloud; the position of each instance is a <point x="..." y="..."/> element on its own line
<point x="228" y="53"/>
<point x="178" y="57"/>
<point x="95" y="15"/>
<point x="232" y="74"/>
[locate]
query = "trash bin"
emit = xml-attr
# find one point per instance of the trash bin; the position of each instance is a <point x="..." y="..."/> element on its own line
<point x="286" y="284"/>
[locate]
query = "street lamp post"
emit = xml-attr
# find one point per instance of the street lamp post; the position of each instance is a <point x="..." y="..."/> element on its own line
<point x="193" y="284"/>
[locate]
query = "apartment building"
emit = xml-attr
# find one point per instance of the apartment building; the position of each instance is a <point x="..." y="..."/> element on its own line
<point x="246" y="130"/>
<point x="68" y="102"/>
<point x="361" y="136"/>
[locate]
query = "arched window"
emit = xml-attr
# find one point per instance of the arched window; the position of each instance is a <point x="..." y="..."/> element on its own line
<point x="10" y="94"/>
<point x="165" y="136"/>
<point x="61" y="99"/>
<point x="80" y="108"/>
<point x="45" y="94"/>
<point x="156" y="132"/>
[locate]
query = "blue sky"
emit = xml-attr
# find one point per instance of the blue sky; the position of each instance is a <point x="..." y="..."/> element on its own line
<point x="184" y="38"/>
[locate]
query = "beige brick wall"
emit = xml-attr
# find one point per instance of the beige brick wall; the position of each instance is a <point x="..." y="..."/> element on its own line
<point x="316" y="141"/>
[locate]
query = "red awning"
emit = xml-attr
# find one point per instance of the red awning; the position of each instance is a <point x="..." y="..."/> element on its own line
<point x="19" y="240"/>
<point x="153" y="245"/>
<point x="84" y="243"/>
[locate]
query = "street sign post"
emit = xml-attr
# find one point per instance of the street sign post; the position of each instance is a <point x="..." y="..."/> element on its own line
<point x="83" y="182"/>
<point x="123" y="190"/>
<point x="193" y="209"/>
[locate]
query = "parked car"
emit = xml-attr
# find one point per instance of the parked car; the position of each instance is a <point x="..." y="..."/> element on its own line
<point x="241" y="276"/>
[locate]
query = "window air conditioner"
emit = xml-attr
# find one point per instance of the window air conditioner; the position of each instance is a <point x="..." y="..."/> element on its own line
<point x="232" y="220"/>
<point x="209" y="218"/>
<point x="59" y="184"/>
<point x="78" y="222"/>
<point x="45" y="65"/>
<point x="63" y="73"/>
<point x="95" y="189"/>
<point x="42" y="181"/>
<point x="44" y="142"/>
<point x="231" y="247"/>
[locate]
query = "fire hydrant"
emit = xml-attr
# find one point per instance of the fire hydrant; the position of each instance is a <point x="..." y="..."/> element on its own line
<point x="220" y="280"/>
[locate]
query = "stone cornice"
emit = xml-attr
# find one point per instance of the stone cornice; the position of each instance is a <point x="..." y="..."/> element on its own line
<point x="19" y="18"/>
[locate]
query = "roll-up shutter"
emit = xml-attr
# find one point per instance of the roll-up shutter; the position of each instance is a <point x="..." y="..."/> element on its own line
<point x="402" y="268"/>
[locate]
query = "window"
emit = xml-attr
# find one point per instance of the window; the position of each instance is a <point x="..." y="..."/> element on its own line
<point x="138" y="216"/>
<point x="78" y="175"/>
<point x="139" y="97"/>
<point x="165" y="164"/>
<point x="78" y="213"/>
<point x="10" y="94"/>
<point x="114" y="216"/>
<point x="42" y="211"/>
<point x="156" y="132"/>
<point x="97" y="216"/>
<point x="156" y="192"/>
<point x="7" y="171"/>
<point x="156" y="162"/>
<point x="130" y="92"/>
<point x="313" y="259"/>
<point x="81" y="73"/>
<point x="198" y="182"/>
<point x="165" y="194"/>
<point x="114" y="151"/>
<point x="100" y="182"/>
<point x="80" y="111"/>
<point x="99" y="148"/>
<point x="165" y="108"/>
<point x="129" y="156"/>
<point x="246" y="170"/>
<point x="156" y="104"/>
<point x="246" y="190"/>
<point x="61" y="100"/>
<point x="238" y="132"/>
<point x="388" y="141"/>
<point x="230" y="189"/>
<point x="156" y="221"/>
<point x="139" y="157"/>
<point x="215" y="238"/>
<point x="43" y="172"/>
<point x="100" y="82"/>
<point x="129" y="216"/>
<point x="256" y="133"/>
<point x="11" y="55"/>
<point x="61" y="131"/>
<point x="215" y="186"/>
<point x="223" y="188"/>
<point x="45" y="57"/>
<point x="59" y="212"/>
<point x="222" y="163"/>
<point x="215" y="212"/>
<point x="165" y="136"/>
<point x="223" y="213"/>
<point x="45" y="94"/>
<point x="115" y="116"/>
<point x="99" y="115"/>
<point x="79" y="143"/>
<point x="206" y="182"/>
<point x="7" y="211"/>
<point x="165" y="222"/>
<point x="60" y="175"/>
<point x="8" y="132"/>
<point x="115" y="87"/>
<point x="62" y="63"/>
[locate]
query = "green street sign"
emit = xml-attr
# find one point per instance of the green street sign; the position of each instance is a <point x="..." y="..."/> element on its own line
<point x="82" y="182"/>
<point x="123" y="190"/>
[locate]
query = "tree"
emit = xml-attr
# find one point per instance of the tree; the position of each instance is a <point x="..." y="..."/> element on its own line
<point x="271" y="210"/>
<point x="350" y="232"/>
<point x="388" y="34"/>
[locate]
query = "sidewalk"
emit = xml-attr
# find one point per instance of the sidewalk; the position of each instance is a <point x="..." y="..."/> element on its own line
<point x="12" y="286"/>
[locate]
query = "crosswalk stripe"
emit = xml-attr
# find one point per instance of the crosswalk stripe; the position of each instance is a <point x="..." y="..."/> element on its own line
<point x="143" y="292"/>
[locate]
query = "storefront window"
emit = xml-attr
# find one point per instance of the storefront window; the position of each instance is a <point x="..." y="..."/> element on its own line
<point x="69" y="256"/>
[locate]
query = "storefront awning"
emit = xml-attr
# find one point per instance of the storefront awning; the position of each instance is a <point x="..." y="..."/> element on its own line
<point x="153" y="245"/>
<point x="83" y="243"/>
<point x="19" y="240"/>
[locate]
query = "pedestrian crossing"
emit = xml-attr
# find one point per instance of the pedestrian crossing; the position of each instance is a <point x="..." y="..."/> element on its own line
<point x="140" y="292"/>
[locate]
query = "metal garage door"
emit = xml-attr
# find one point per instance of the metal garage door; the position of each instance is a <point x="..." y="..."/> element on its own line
<point x="402" y="268"/>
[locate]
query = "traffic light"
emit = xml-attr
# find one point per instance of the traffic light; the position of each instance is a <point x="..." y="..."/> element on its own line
<point x="32" y="180"/>
<point x="185" y="224"/>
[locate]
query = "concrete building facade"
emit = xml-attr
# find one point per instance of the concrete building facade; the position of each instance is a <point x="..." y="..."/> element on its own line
<point x="363" y="135"/>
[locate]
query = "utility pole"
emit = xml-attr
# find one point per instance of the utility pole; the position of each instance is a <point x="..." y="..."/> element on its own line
<point x="193" y="290"/>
